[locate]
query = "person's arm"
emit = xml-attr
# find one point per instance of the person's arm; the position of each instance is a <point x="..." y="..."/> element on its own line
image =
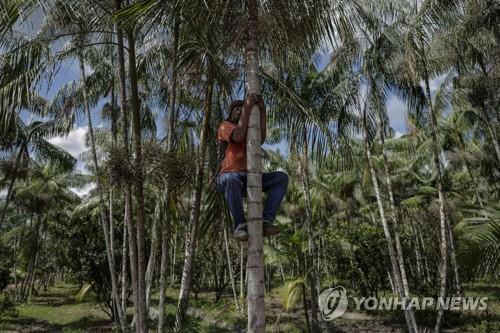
<point x="240" y="131"/>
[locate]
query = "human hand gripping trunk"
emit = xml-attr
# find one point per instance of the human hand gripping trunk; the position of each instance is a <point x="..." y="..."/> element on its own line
<point x="240" y="132"/>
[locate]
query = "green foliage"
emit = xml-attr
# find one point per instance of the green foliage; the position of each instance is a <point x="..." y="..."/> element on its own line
<point x="82" y="292"/>
<point x="292" y="293"/>
<point x="7" y="306"/>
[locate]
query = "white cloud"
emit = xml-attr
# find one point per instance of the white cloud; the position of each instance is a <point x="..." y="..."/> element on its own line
<point x="434" y="84"/>
<point x="73" y="143"/>
<point x="396" y="111"/>
<point x="83" y="191"/>
<point x="398" y="134"/>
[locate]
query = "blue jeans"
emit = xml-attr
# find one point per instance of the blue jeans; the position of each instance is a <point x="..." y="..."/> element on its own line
<point x="233" y="185"/>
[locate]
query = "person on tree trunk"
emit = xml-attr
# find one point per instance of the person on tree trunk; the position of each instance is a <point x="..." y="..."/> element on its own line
<point x="232" y="176"/>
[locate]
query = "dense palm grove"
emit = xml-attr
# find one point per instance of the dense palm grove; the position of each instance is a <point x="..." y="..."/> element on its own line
<point x="373" y="210"/>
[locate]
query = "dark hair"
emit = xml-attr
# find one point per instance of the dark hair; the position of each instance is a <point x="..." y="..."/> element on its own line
<point x="232" y="106"/>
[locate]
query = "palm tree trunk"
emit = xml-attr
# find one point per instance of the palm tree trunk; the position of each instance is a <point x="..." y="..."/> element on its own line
<point x="394" y="216"/>
<point x="132" y="245"/>
<point x="124" y="267"/>
<point x="310" y="265"/>
<point x="170" y="145"/>
<point x="409" y="316"/>
<point x="418" y="255"/>
<point x="242" y="279"/>
<point x="453" y="258"/>
<point x="152" y="260"/>
<point x="111" y="222"/>
<point x="231" y="274"/>
<point x="306" y="311"/>
<point x="441" y="199"/>
<point x="255" y="261"/>
<point x="15" y="268"/>
<point x="138" y="182"/>
<point x="192" y="229"/>
<point x="173" y="257"/>
<point x="102" y="207"/>
<point x="163" y="271"/>
<point x="111" y="191"/>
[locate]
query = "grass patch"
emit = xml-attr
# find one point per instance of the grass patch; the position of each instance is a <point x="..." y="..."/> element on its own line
<point x="57" y="311"/>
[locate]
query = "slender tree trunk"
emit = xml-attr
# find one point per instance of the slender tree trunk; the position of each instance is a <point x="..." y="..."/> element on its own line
<point x="124" y="266"/>
<point x="412" y="326"/>
<point x="21" y="237"/>
<point x="111" y="191"/>
<point x="441" y="199"/>
<point x="242" y="279"/>
<point x="138" y="183"/>
<point x="102" y="207"/>
<point x="15" y="268"/>
<point x="27" y="287"/>
<point x="173" y="258"/>
<point x="306" y="311"/>
<point x="394" y="214"/>
<point x="152" y="258"/>
<point x="231" y="275"/>
<point x="453" y="258"/>
<point x="163" y="271"/>
<point x="418" y="255"/>
<point x="312" y="276"/>
<point x="255" y="261"/>
<point x="132" y="245"/>
<point x="170" y="146"/>
<point x="192" y="229"/>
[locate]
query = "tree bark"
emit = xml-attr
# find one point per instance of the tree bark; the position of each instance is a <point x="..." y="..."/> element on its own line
<point x="441" y="198"/>
<point x="394" y="214"/>
<point x="132" y="246"/>
<point x="255" y="261"/>
<point x="138" y="183"/>
<point x="453" y="258"/>
<point x="124" y="266"/>
<point x="152" y="259"/>
<point x="231" y="274"/>
<point x="170" y="146"/>
<point x="242" y="279"/>
<point x="163" y="271"/>
<point x="102" y="207"/>
<point x="312" y="276"/>
<point x="192" y="229"/>
<point x="409" y="316"/>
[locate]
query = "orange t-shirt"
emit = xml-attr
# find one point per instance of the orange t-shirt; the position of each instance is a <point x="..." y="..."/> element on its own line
<point x="235" y="158"/>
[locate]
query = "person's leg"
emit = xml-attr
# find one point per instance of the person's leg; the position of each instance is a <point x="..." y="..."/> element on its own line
<point x="275" y="185"/>
<point x="232" y="184"/>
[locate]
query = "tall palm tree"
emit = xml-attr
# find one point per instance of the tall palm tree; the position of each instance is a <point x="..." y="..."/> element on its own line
<point x="31" y="139"/>
<point x="67" y="19"/>
<point x="255" y="265"/>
